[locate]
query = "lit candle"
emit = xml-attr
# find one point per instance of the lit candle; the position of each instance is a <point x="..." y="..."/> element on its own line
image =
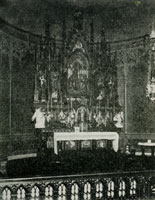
<point x="71" y="103"/>
<point x="48" y="106"/>
<point x="51" y="102"/>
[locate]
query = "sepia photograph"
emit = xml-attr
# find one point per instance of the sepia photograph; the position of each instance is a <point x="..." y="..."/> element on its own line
<point x="77" y="99"/>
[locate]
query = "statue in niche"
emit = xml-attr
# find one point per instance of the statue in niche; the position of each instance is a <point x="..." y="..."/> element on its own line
<point x="77" y="70"/>
<point x="90" y="116"/>
<point x="50" y="143"/>
<point x="77" y="77"/>
<point x="83" y="78"/>
<point x="152" y="89"/>
<point x="106" y="118"/>
<point x="78" y="46"/>
<point x="100" y="96"/>
<point x="54" y="86"/>
<point x="78" y="18"/>
<point x="99" y="119"/>
<point x="40" y="117"/>
<point x="42" y="86"/>
<point x="49" y="116"/>
<point x="81" y="117"/>
<point x="119" y="119"/>
<point x="83" y="83"/>
<point x="73" y="77"/>
<point x="62" y="117"/>
<point x="71" y="118"/>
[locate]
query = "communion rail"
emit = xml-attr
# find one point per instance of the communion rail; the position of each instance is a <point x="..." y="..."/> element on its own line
<point x="122" y="185"/>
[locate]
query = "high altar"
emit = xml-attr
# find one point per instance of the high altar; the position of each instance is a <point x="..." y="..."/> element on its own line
<point x="76" y="89"/>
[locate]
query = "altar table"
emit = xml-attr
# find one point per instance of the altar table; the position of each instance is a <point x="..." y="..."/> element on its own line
<point x="82" y="136"/>
<point x="145" y="145"/>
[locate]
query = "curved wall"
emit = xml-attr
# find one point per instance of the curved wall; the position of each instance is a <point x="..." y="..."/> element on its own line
<point x="17" y="61"/>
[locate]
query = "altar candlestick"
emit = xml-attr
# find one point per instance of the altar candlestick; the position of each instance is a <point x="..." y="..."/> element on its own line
<point x="51" y="102"/>
<point x="49" y="59"/>
<point x="36" y="82"/>
<point x="57" y="106"/>
<point x="68" y="105"/>
<point x="71" y="104"/>
<point x="61" y="102"/>
<point x="48" y="106"/>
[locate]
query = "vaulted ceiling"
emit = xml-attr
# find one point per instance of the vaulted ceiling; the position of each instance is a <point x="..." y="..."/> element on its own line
<point x="132" y="17"/>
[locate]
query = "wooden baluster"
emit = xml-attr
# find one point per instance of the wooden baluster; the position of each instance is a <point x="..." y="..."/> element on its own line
<point x="116" y="188"/>
<point x="127" y="189"/>
<point x="81" y="190"/>
<point x="139" y="190"/>
<point x="28" y="193"/>
<point x="41" y="192"/>
<point x="143" y="188"/>
<point x="68" y="191"/>
<point x="104" y="188"/>
<point x="149" y="188"/>
<point x="55" y="192"/>
<point x="13" y="194"/>
<point x="93" y="190"/>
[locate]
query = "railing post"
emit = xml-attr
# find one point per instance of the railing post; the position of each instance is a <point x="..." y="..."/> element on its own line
<point x="68" y="188"/>
<point x="116" y="189"/>
<point x="140" y="188"/>
<point x="81" y="190"/>
<point x="148" y="189"/>
<point x="13" y="196"/>
<point x="42" y="192"/>
<point x="27" y="192"/>
<point x="127" y="188"/>
<point x="93" y="190"/>
<point x="13" y="192"/>
<point x="55" y="193"/>
<point x="105" y="189"/>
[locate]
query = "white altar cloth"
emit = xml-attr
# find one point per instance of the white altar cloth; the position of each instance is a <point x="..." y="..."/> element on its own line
<point x="70" y="136"/>
<point x="146" y="144"/>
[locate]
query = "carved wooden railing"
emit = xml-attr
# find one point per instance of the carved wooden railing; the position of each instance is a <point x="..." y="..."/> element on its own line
<point x="122" y="185"/>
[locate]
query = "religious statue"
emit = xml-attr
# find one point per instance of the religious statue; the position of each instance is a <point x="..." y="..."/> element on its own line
<point x="49" y="117"/>
<point x="42" y="80"/>
<point x="100" y="96"/>
<point x="148" y="90"/>
<point x="73" y="77"/>
<point x="90" y="115"/>
<point x="62" y="117"/>
<point x="99" y="119"/>
<point x="78" y="18"/>
<point x="106" y="118"/>
<point x="77" y="74"/>
<point x="50" y="143"/>
<point x="118" y="119"/>
<point x="40" y="117"/>
<point x="79" y="46"/>
<point x="81" y="117"/>
<point x="71" y="118"/>
<point x="83" y="83"/>
<point x="54" y="86"/>
<point x="151" y="89"/>
<point x="54" y="95"/>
